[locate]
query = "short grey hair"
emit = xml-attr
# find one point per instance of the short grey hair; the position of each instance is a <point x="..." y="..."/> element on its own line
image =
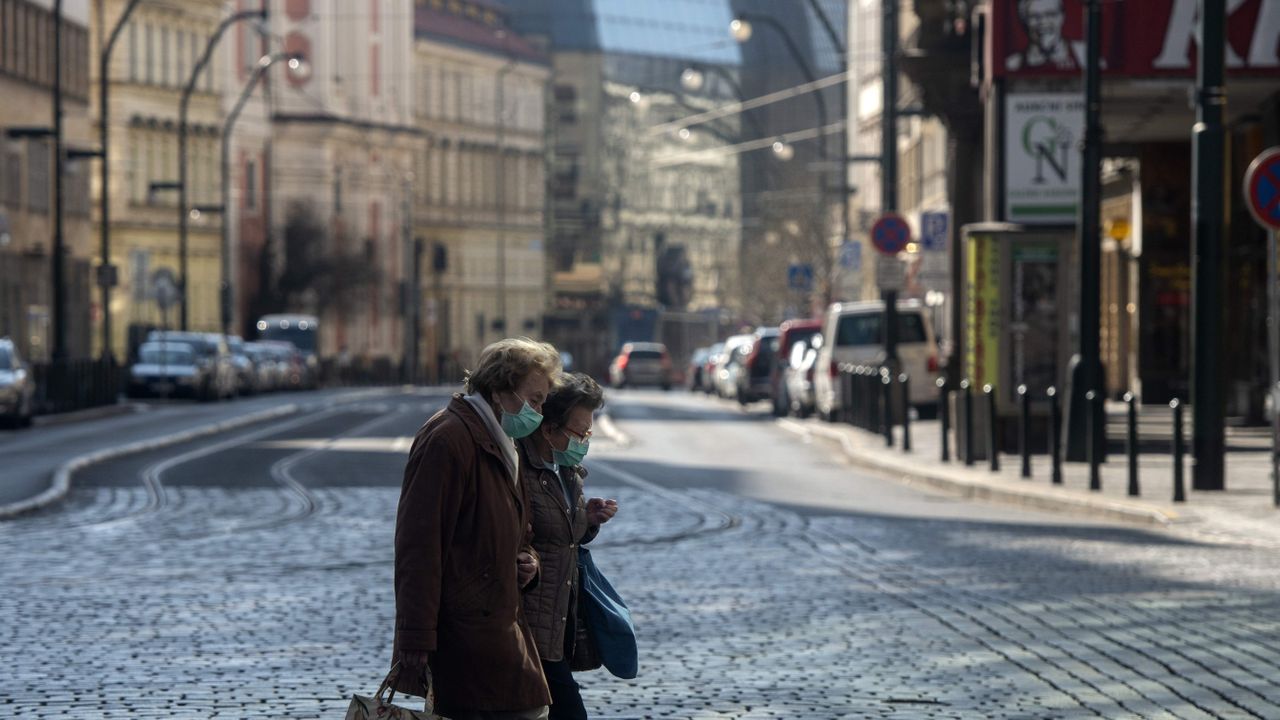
<point x="506" y="363"/>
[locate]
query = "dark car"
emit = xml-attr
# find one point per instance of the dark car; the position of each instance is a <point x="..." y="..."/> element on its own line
<point x="695" y="376"/>
<point x="755" y="378"/>
<point x="167" y="369"/>
<point x="212" y="354"/>
<point x="639" y="364"/>
<point x="17" y="386"/>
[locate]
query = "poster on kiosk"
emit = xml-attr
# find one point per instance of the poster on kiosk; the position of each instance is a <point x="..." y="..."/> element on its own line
<point x="1018" y="308"/>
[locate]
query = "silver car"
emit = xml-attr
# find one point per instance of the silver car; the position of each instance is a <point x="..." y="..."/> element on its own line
<point x="168" y="369"/>
<point x="17" y="386"/>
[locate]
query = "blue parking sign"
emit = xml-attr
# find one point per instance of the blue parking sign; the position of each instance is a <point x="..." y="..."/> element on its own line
<point x="800" y="277"/>
<point x="935" y="227"/>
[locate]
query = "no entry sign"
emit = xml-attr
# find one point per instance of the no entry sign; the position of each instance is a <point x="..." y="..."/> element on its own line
<point x="890" y="234"/>
<point x="1262" y="189"/>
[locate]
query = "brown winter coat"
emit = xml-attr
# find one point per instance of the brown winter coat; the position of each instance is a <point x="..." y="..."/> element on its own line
<point x="558" y="529"/>
<point x="460" y="524"/>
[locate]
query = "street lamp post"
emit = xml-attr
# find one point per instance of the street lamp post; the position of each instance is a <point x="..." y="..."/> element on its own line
<point x="499" y="101"/>
<point x="105" y="282"/>
<point x="183" y="105"/>
<point x="297" y="64"/>
<point x="59" y="294"/>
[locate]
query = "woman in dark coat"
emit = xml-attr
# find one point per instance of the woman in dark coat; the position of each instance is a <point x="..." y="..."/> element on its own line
<point x="463" y="555"/>
<point x="552" y="474"/>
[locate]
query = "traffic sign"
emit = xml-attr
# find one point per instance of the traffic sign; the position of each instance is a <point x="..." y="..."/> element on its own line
<point x="934" y="229"/>
<point x="851" y="255"/>
<point x="891" y="273"/>
<point x="800" y="277"/>
<point x="1262" y="188"/>
<point x="890" y="234"/>
<point x="165" y="287"/>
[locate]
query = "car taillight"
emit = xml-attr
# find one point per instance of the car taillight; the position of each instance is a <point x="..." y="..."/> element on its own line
<point x="933" y="363"/>
<point x="622" y="362"/>
<point x="835" y="368"/>
<point x="666" y="361"/>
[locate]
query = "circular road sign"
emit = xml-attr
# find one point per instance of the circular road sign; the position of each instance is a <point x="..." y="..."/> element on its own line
<point x="165" y="287"/>
<point x="1262" y="188"/>
<point x="890" y="234"/>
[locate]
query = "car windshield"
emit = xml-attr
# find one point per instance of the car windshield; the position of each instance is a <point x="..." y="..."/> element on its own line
<point x="864" y="329"/>
<point x="645" y="355"/>
<point x="166" y="355"/>
<point x="6" y="359"/>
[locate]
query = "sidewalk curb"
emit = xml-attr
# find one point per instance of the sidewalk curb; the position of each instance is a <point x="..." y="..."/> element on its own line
<point x="61" y="484"/>
<point x="910" y="469"/>
<point x="105" y="411"/>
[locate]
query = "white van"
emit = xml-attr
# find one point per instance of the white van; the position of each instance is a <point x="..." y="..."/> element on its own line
<point x="852" y="333"/>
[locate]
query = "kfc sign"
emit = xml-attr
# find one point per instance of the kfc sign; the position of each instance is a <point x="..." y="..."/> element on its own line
<point x="1150" y="38"/>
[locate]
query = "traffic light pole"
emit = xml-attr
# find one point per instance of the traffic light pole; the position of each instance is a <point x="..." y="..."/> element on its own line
<point x="889" y="162"/>
<point x="1207" y="468"/>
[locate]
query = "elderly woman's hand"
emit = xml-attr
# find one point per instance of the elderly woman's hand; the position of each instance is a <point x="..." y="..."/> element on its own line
<point x="526" y="567"/>
<point x="600" y="510"/>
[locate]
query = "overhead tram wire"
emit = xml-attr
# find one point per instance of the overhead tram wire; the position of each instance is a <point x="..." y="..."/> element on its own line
<point x="735" y="108"/>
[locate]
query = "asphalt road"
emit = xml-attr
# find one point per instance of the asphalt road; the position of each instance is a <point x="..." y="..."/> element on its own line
<point x="248" y="575"/>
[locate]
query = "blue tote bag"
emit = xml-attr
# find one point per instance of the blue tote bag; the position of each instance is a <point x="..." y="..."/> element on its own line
<point x="609" y="620"/>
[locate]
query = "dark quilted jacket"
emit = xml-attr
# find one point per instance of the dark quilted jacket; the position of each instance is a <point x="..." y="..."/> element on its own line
<point x="558" y="529"/>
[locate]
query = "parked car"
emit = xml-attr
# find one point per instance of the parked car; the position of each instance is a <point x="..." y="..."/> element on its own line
<point x="798" y="376"/>
<point x="296" y="372"/>
<point x="755" y="379"/>
<point x="17" y="386"/>
<point x="246" y="374"/>
<point x="697" y="369"/>
<point x="167" y="368"/>
<point x="641" y="363"/>
<point x="729" y="363"/>
<point x="270" y="368"/>
<point x="854" y="334"/>
<point x="212" y="353"/>
<point x="708" y="375"/>
<point x="790" y="334"/>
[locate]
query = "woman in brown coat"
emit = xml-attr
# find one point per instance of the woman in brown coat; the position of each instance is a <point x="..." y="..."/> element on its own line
<point x="552" y="473"/>
<point x="463" y="555"/>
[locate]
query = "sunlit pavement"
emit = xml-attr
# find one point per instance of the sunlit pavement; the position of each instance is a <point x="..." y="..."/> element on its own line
<point x="249" y="575"/>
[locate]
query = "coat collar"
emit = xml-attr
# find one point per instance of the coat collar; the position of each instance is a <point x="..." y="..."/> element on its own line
<point x="483" y="439"/>
<point x="539" y="473"/>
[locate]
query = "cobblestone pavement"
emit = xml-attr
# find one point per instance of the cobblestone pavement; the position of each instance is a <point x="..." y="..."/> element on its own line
<point x="250" y="577"/>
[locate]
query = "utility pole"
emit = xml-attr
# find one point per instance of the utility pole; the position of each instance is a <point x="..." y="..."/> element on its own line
<point x="59" y="293"/>
<point x="889" y="159"/>
<point x="1208" y="140"/>
<point x="1086" y="364"/>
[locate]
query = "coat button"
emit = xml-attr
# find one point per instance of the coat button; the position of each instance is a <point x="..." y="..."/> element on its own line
<point x="569" y="583"/>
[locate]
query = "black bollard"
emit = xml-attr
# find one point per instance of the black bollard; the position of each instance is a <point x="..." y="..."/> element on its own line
<point x="886" y="382"/>
<point x="968" y="421"/>
<point x="1024" y="429"/>
<point x="993" y="447"/>
<point x="1132" y="443"/>
<point x="1179" y="487"/>
<point x="905" y="381"/>
<point x="1092" y="452"/>
<point x="1055" y="436"/>
<point x="944" y="414"/>
<point x="846" y="388"/>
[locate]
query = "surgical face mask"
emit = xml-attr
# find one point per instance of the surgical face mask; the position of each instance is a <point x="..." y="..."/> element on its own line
<point x="572" y="455"/>
<point x="521" y="424"/>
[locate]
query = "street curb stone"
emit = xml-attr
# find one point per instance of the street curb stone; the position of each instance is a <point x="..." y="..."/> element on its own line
<point x="916" y="470"/>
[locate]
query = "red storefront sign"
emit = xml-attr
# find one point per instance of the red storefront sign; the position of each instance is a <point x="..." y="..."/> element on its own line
<point x="1140" y="38"/>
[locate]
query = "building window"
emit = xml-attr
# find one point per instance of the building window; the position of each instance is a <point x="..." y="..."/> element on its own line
<point x="164" y="56"/>
<point x="11" y="177"/>
<point x="180" y="52"/>
<point x="133" y="52"/>
<point x="39" y="178"/>
<point x="151" y="55"/>
<point x="251" y="185"/>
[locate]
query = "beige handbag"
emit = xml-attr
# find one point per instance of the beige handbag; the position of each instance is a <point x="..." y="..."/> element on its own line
<point x="376" y="708"/>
